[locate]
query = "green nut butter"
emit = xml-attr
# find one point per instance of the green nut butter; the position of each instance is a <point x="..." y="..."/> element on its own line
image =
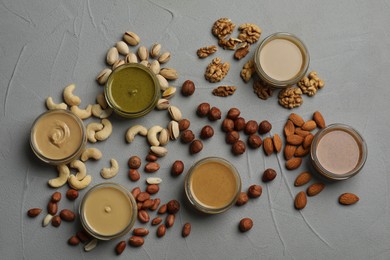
<point x="132" y="90"/>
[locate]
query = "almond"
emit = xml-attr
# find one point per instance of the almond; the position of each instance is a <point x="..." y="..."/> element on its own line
<point x="289" y="151"/>
<point x="268" y="146"/>
<point x="319" y="119"/>
<point x="299" y="131"/>
<point x="277" y="141"/>
<point x="309" y="125"/>
<point x="289" y="128"/>
<point x="295" y="139"/>
<point x="348" y="199"/>
<point x="314" y="189"/>
<point x="293" y="163"/>
<point x="308" y="140"/>
<point x="296" y="119"/>
<point x="300" y="151"/>
<point x="300" y="200"/>
<point x="302" y="179"/>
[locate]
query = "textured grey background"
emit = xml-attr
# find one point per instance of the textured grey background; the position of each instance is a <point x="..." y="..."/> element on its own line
<point x="46" y="45"/>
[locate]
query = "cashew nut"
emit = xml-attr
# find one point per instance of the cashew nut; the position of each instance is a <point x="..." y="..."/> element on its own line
<point x="63" y="174"/>
<point x="98" y="112"/>
<point x="152" y="135"/>
<point x="134" y="130"/>
<point x="105" y="132"/>
<point x="91" y="130"/>
<point x="51" y="105"/>
<point x="82" y="113"/>
<point x="79" y="185"/>
<point x="93" y="153"/>
<point x="69" y="98"/>
<point x="101" y="100"/>
<point x="108" y="173"/>
<point x="80" y="166"/>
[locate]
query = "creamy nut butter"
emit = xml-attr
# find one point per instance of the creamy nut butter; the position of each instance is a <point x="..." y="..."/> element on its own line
<point x="212" y="185"/>
<point x="58" y="136"/>
<point x="281" y="60"/>
<point x="338" y="152"/>
<point x="132" y="90"/>
<point x="108" y="211"/>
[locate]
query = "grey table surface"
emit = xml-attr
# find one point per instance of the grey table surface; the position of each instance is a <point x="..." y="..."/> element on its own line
<point x="46" y="45"/>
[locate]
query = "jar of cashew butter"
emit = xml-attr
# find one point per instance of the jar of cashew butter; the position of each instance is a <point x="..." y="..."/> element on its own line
<point x="107" y="211"/>
<point x="58" y="136"/>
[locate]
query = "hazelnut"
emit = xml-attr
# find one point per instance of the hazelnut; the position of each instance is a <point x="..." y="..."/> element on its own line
<point x="177" y="168"/>
<point x="196" y="146"/>
<point x="188" y="88"/>
<point x="245" y="224"/>
<point x="232" y="137"/>
<point x="187" y="136"/>
<point x="206" y="132"/>
<point x="264" y="127"/>
<point x="203" y="109"/>
<point x="173" y="206"/>
<point x="215" y="114"/>
<point x="239" y="124"/>
<point x="184" y="124"/>
<point x="268" y="175"/>
<point x="233" y="113"/>
<point x="254" y="191"/>
<point x="254" y="141"/>
<point x="242" y="199"/>
<point x="134" y="162"/>
<point x="238" y="147"/>
<point x="251" y="127"/>
<point x="227" y="125"/>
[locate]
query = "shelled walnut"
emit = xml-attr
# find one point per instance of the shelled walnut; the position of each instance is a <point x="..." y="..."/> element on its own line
<point x="309" y="85"/>
<point x="229" y="44"/>
<point x="222" y="28"/>
<point x="262" y="91"/>
<point x="216" y="70"/>
<point x="224" y="91"/>
<point x="206" y="51"/>
<point x="248" y="70"/>
<point x="290" y="97"/>
<point x="241" y="51"/>
<point x="249" y="32"/>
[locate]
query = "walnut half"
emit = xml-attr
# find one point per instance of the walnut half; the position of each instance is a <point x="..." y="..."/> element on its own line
<point x="216" y="70"/>
<point x="206" y="51"/>
<point x="224" y="91"/>
<point x="249" y="32"/>
<point x="290" y="97"/>
<point x="222" y="28"/>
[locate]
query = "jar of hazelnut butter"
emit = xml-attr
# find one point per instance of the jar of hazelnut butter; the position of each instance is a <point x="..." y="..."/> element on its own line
<point x="58" y="136"/>
<point x="212" y="185"/>
<point x="132" y="90"/>
<point x="281" y="60"/>
<point x="107" y="211"/>
<point x="338" y="152"/>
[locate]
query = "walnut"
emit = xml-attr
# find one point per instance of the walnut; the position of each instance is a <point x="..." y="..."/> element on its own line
<point x="229" y="44"/>
<point x="249" y="32"/>
<point x="206" y="51"/>
<point x="290" y="97"/>
<point x="242" y="51"/>
<point x="216" y="70"/>
<point x="262" y="91"/>
<point x="224" y="91"/>
<point x="309" y="85"/>
<point x="248" y="70"/>
<point x="222" y="28"/>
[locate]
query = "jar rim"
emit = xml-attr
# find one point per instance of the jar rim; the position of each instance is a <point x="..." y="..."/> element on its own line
<point x="191" y="198"/>
<point x="111" y="102"/>
<point x="89" y="229"/>
<point x="357" y="137"/>
<point x="65" y="159"/>
<point x="280" y="83"/>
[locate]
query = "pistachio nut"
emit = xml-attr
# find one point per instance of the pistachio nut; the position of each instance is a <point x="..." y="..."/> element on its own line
<point x="112" y="56"/>
<point x="155" y="67"/>
<point x="169" y="73"/>
<point x="173" y="128"/>
<point x="142" y="53"/>
<point x="164" y="58"/>
<point x="162" y="104"/>
<point x="117" y="64"/>
<point x="163" y="82"/>
<point x="155" y="50"/>
<point x="131" y="38"/>
<point x="122" y="47"/>
<point x="131" y="58"/>
<point x="169" y="92"/>
<point x="145" y="63"/>
<point x="103" y="76"/>
<point x="175" y="113"/>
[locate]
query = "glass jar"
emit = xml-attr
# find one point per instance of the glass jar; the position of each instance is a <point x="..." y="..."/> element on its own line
<point x="132" y="90"/>
<point x="58" y="136"/>
<point x="107" y="211"/>
<point x="212" y="185"/>
<point x="281" y="60"/>
<point x="338" y="152"/>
